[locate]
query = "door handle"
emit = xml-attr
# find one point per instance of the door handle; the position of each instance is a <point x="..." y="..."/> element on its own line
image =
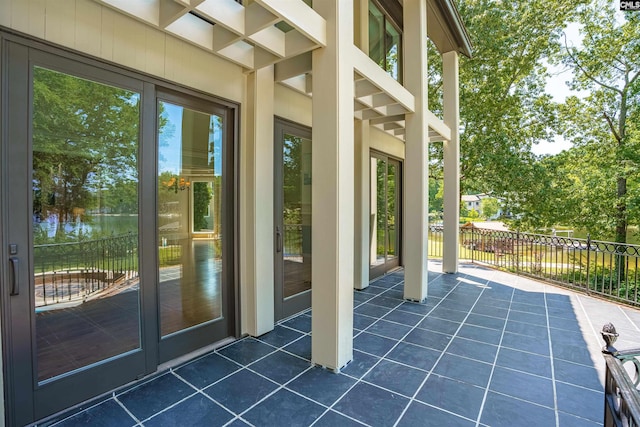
<point x="278" y="240"/>
<point x="15" y="280"/>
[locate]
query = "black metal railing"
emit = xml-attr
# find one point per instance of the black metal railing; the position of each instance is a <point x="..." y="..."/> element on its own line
<point x="621" y="400"/>
<point x="605" y="268"/>
<point x="66" y="272"/>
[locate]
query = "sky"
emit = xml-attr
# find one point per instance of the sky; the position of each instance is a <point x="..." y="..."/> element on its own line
<point x="558" y="89"/>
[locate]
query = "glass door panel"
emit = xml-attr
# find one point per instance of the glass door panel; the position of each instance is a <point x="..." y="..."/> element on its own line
<point x="296" y="214"/>
<point x="292" y="219"/>
<point x="391" y="211"/>
<point x="84" y="222"/>
<point x="384" y="227"/>
<point x="189" y="217"/>
<point x="380" y="212"/>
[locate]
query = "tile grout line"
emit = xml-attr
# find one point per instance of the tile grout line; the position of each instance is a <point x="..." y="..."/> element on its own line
<point x="628" y="318"/>
<point x="358" y="380"/>
<point x="444" y="350"/>
<point x="495" y="361"/>
<point x="553" y="365"/>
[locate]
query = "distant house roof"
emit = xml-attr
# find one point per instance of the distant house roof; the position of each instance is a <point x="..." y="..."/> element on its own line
<point x="470" y="197"/>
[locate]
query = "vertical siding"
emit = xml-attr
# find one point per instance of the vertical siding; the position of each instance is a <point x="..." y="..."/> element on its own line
<point x="155" y="51"/>
<point x="87" y="25"/>
<point x="5" y="13"/>
<point x="36" y="18"/>
<point x="19" y="15"/>
<point x="107" y="24"/>
<point x="60" y="21"/>
<point x="96" y="30"/>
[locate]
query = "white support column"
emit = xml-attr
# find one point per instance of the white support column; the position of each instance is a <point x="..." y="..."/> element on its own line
<point x="361" y="200"/>
<point x="450" y="258"/>
<point x="333" y="189"/>
<point x="257" y="214"/>
<point x="416" y="177"/>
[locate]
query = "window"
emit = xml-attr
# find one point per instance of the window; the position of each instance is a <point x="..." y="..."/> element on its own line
<point x="385" y="42"/>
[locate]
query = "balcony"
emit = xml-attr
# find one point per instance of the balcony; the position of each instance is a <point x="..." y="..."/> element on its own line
<point x="488" y="348"/>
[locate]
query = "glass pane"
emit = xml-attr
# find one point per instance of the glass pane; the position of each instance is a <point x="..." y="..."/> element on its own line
<point x="393" y="52"/>
<point x="376" y="35"/>
<point x="391" y="210"/>
<point x="85" y="221"/>
<point x="381" y="217"/>
<point x="296" y="234"/>
<point x="189" y="217"/>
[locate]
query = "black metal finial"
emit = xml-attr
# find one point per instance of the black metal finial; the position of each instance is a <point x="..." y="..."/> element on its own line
<point x="609" y="335"/>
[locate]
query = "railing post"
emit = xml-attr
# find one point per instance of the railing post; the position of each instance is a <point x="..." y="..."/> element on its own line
<point x="588" y="258"/>
<point x="517" y="252"/>
<point x="473" y="244"/>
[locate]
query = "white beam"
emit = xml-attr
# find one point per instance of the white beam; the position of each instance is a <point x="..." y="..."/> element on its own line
<point x="257" y="18"/>
<point x="296" y="66"/>
<point x="227" y="13"/>
<point x="300" y="16"/>
<point x="193" y="30"/>
<point x="438" y="125"/>
<point x="372" y="72"/>
<point x="270" y="39"/>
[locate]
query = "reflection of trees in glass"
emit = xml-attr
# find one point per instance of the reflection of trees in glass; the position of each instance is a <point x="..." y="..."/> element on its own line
<point x="384" y="42"/>
<point x="386" y="173"/>
<point x="292" y="184"/>
<point x="201" y="198"/>
<point x="381" y="199"/>
<point x="85" y="146"/>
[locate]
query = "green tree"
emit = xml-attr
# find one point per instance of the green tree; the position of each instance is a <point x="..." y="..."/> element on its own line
<point x="504" y="109"/>
<point x="201" y="198"/>
<point x="607" y="65"/>
<point x="85" y="138"/>
<point x="435" y="195"/>
<point x="489" y="207"/>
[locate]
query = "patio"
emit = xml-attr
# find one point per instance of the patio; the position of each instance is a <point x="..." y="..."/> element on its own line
<point x="488" y="348"/>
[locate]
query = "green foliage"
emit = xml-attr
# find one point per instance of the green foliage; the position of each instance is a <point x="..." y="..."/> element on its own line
<point x="489" y="207"/>
<point x="594" y="185"/>
<point x="504" y="109"/>
<point x="435" y="195"/>
<point x="601" y="126"/>
<point x="85" y="146"/>
<point x="201" y="199"/>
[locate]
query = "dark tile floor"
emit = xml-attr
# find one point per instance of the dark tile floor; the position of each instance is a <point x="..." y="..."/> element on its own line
<point x="487" y="349"/>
